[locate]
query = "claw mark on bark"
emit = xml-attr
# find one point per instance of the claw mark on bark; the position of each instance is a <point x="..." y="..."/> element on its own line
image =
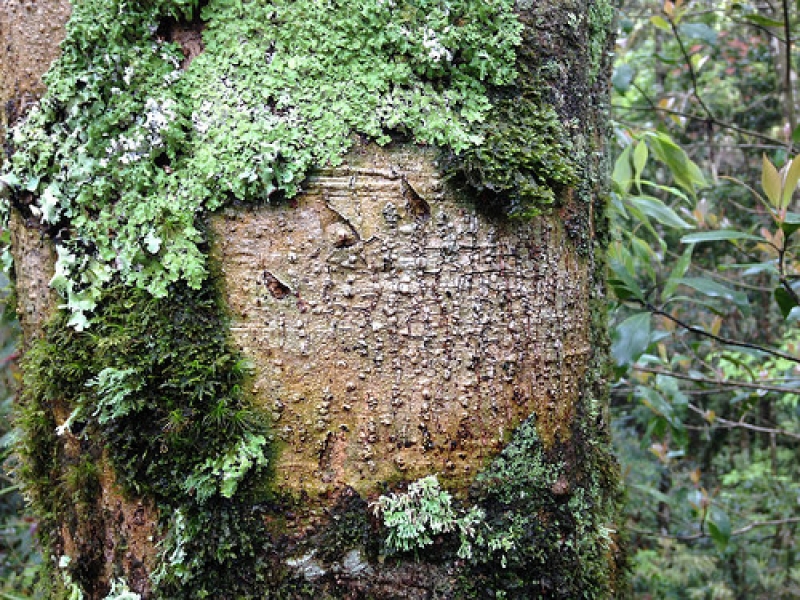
<point x="415" y="203"/>
<point x="277" y="288"/>
<point x="342" y="232"/>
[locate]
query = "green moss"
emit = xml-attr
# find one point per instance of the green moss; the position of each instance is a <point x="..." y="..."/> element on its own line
<point x="601" y="18"/>
<point x="130" y="151"/>
<point x="549" y="515"/>
<point x="526" y="159"/>
<point x="156" y="383"/>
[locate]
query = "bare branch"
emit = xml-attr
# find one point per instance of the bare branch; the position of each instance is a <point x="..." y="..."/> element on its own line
<point x="701" y="535"/>
<point x="718" y="338"/>
<point x="742" y="425"/>
<point x="720" y="382"/>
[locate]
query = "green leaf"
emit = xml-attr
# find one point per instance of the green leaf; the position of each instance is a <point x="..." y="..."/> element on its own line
<point x="622" y="78"/>
<point x="770" y="181"/>
<point x="790" y="181"/>
<point x="661" y="23"/>
<point x="752" y="268"/>
<point x="651" y="491"/>
<point x="790" y="222"/>
<point x="763" y="21"/>
<point x="623" y="283"/>
<point x="640" y="154"/>
<point x="678" y="271"/>
<point x="785" y="300"/>
<point x="719" y="527"/>
<point x="699" y="31"/>
<point x="713" y="289"/>
<point x="630" y="339"/>
<point x="719" y="235"/>
<point x="655" y="208"/>
<point x="658" y="404"/>
<point x="623" y="174"/>
<point x="686" y="173"/>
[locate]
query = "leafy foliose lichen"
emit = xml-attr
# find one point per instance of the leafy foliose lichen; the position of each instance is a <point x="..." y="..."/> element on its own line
<point x="549" y="518"/>
<point x="128" y="149"/>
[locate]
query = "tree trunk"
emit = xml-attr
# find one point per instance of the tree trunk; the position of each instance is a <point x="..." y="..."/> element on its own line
<point x="380" y="385"/>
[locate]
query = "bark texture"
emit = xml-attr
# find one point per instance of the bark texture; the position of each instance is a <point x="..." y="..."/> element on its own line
<point x="396" y="330"/>
<point x="397" y="325"/>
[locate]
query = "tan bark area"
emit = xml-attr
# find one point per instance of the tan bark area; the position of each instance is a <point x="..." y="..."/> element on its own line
<point x="30" y="31"/>
<point x="397" y="331"/>
<point x="34" y="258"/>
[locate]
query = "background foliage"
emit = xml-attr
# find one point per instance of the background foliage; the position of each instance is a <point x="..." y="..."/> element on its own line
<point x="704" y="271"/>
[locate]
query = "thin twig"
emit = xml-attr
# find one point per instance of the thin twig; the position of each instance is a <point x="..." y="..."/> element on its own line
<point x="742" y="425"/>
<point x="698" y="536"/>
<point x="719" y="338"/>
<point x="724" y="125"/>
<point x="720" y="382"/>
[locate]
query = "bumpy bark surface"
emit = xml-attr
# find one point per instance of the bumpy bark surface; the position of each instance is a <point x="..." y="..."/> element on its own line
<point x="404" y="331"/>
<point x="30" y="32"/>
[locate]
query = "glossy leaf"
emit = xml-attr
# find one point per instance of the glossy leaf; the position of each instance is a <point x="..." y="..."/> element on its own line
<point x="791" y="221"/>
<point x="661" y="23"/>
<point x="719" y="527"/>
<point x="786" y="302"/>
<point x="630" y="339"/>
<point x="623" y="174"/>
<point x="699" y="31"/>
<point x="763" y="21"/>
<point x="640" y="154"/>
<point x="622" y="78"/>
<point x="653" y="399"/>
<point x="655" y="208"/>
<point x="771" y="181"/>
<point x="685" y="172"/>
<point x="714" y="289"/>
<point x="624" y="286"/>
<point x="792" y="170"/>
<point x="719" y="235"/>
<point x="678" y="271"/>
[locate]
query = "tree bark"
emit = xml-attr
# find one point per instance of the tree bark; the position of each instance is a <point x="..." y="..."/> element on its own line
<point x="394" y="326"/>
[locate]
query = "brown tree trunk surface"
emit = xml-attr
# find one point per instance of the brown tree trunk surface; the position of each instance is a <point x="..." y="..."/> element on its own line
<point x="395" y="331"/>
<point x="402" y="344"/>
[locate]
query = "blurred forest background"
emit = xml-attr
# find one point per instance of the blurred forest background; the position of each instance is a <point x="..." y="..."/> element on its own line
<point x="704" y="279"/>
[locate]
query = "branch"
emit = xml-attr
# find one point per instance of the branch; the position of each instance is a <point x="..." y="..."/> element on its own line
<point x="698" y="536"/>
<point x="688" y="60"/>
<point x="726" y="383"/>
<point x="787" y="73"/>
<point x="715" y="121"/>
<point x="742" y="425"/>
<point x="718" y="338"/>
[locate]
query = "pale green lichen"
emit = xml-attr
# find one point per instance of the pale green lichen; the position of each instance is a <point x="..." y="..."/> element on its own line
<point x="422" y="512"/>
<point x="126" y="151"/>
<point x="129" y="152"/>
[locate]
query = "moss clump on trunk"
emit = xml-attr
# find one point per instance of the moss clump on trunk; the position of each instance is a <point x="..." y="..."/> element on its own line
<point x="155" y="389"/>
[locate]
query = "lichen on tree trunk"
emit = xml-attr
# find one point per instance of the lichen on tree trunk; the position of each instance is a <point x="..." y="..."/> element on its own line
<point x="242" y="427"/>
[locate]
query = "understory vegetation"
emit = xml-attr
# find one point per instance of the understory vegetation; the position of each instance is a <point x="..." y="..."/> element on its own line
<point x="706" y="276"/>
<point x="133" y="388"/>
